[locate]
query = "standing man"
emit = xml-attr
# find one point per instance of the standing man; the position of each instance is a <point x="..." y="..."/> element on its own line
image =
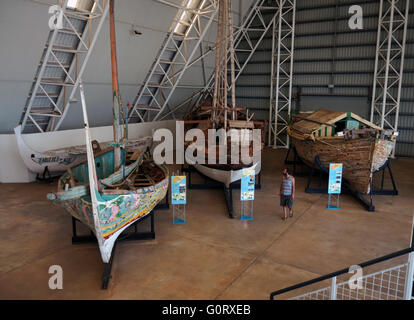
<point x="287" y="193"/>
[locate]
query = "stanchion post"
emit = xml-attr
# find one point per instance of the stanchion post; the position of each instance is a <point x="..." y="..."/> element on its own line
<point x="333" y="289"/>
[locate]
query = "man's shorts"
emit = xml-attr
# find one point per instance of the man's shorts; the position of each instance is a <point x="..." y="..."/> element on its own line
<point x="286" y="201"/>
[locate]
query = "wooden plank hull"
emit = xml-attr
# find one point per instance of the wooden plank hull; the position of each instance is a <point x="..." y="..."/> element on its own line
<point x="360" y="157"/>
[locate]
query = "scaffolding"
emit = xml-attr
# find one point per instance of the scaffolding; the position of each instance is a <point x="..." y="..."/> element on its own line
<point x="389" y="63"/>
<point x="247" y="38"/>
<point x="175" y="57"/>
<point x="283" y="39"/>
<point x="66" y="53"/>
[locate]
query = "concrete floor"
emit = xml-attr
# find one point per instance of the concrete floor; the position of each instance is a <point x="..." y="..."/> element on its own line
<point x="212" y="257"/>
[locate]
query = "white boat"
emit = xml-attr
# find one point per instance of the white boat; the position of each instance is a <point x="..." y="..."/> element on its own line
<point x="226" y="177"/>
<point x="216" y="112"/>
<point x="59" y="160"/>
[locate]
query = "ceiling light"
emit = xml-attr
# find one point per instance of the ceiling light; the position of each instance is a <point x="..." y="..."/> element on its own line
<point x="72" y="3"/>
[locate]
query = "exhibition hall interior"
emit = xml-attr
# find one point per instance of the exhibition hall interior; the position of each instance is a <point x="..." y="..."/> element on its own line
<point x="206" y="150"/>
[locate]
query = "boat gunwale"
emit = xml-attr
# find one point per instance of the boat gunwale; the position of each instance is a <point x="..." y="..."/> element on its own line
<point x="309" y="137"/>
<point x="79" y="194"/>
<point x="142" y="190"/>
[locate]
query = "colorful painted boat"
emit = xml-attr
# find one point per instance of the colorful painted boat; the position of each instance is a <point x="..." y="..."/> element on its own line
<point x="119" y="202"/>
<point x="58" y="161"/>
<point x="342" y="137"/>
<point x="109" y="191"/>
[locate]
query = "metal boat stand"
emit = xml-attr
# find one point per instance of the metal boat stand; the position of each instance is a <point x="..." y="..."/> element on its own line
<point x="211" y="184"/>
<point x="165" y="205"/>
<point x="323" y="171"/>
<point x="125" y="236"/>
<point x="297" y="161"/>
<point x="382" y="191"/>
<point x="46" y="176"/>
<point x="365" y="199"/>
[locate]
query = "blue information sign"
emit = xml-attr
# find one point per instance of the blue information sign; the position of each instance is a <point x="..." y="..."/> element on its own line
<point x="247" y="185"/>
<point x="335" y="178"/>
<point x="178" y="190"/>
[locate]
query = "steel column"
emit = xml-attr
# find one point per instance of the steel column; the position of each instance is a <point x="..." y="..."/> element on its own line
<point x="389" y="63"/>
<point x="283" y="40"/>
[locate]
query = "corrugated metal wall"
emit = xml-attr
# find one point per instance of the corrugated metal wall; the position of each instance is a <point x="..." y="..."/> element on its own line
<point x="328" y="52"/>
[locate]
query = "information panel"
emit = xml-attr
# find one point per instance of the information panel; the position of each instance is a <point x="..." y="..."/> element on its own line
<point x="247" y="184"/>
<point x="178" y="190"/>
<point x="335" y="178"/>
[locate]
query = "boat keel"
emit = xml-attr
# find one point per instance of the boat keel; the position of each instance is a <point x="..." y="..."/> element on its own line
<point x="211" y="184"/>
<point x="125" y="236"/>
<point x="365" y="199"/>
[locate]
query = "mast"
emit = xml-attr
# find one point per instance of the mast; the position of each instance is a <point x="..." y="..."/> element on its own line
<point x="224" y="37"/>
<point x="233" y="81"/>
<point x="93" y="179"/>
<point x="115" y="89"/>
<point x="224" y="62"/>
<point x="217" y="76"/>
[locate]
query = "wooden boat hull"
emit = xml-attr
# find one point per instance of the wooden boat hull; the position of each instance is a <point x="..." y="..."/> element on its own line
<point x="360" y="157"/>
<point x="115" y="211"/>
<point x="59" y="160"/>
<point x="225" y="176"/>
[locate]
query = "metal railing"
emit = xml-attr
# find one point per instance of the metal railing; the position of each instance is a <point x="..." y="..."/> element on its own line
<point x="395" y="283"/>
<point x="387" y="284"/>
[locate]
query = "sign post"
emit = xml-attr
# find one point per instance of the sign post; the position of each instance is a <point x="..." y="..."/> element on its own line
<point x="247" y="194"/>
<point x="179" y="198"/>
<point x="334" y="184"/>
